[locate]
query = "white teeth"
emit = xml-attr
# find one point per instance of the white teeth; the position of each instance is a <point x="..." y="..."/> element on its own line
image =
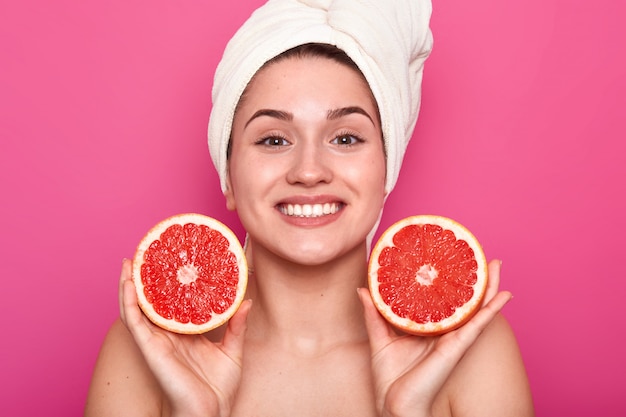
<point x="309" y="210"/>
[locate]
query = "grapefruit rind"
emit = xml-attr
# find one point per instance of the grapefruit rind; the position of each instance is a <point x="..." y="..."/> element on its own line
<point x="234" y="246"/>
<point x="462" y="313"/>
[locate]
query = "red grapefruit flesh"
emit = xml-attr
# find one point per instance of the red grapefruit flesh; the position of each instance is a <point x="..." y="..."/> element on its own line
<point x="190" y="273"/>
<point x="427" y="275"/>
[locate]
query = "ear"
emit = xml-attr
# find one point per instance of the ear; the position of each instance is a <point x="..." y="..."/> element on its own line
<point x="229" y="194"/>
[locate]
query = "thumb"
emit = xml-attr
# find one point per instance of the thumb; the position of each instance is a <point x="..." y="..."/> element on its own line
<point x="236" y="331"/>
<point x="379" y="330"/>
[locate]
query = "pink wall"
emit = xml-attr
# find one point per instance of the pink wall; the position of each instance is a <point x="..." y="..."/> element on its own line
<point x="103" y="119"/>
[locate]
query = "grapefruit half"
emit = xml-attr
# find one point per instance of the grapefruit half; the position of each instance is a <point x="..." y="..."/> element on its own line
<point x="190" y="273"/>
<point x="427" y="275"/>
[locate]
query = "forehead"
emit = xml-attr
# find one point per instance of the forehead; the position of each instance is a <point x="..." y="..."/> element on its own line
<point x="312" y="76"/>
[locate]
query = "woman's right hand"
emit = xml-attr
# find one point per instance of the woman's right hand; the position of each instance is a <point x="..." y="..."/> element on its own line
<point x="197" y="376"/>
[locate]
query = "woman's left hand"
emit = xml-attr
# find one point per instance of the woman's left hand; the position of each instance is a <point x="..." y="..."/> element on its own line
<point x="409" y="371"/>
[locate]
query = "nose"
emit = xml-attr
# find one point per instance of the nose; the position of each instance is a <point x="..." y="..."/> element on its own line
<point x="310" y="165"/>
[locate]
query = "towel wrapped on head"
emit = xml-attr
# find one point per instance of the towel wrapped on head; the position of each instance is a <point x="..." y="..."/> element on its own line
<point x="389" y="40"/>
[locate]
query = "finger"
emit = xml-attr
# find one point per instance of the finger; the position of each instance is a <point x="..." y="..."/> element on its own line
<point x="237" y="324"/>
<point x="378" y="329"/>
<point x="133" y="317"/>
<point x="493" y="283"/>
<point x="455" y="344"/>
<point x="452" y="346"/>
<point x="128" y="302"/>
<point x="465" y="336"/>
<point x="234" y="336"/>
<point x="125" y="275"/>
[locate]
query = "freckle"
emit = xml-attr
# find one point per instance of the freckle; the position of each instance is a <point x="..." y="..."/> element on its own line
<point x="108" y="382"/>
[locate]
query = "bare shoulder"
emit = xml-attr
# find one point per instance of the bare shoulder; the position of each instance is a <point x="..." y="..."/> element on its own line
<point x="122" y="383"/>
<point x="491" y="378"/>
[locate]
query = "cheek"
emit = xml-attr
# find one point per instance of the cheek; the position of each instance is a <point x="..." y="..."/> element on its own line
<point x="250" y="179"/>
<point x="378" y="178"/>
<point x="368" y="176"/>
<point x="377" y="170"/>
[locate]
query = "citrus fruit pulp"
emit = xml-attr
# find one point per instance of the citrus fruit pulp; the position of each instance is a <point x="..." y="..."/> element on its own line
<point x="190" y="273"/>
<point x="427" y="275"/>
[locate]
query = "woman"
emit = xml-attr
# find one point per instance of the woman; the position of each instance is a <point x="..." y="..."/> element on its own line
<point x="306" y="141"/>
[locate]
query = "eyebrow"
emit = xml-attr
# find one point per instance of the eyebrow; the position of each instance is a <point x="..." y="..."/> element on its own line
<point x="344" y="111"/>
<point x="331" y="115"/>
<point x="277" y="114"/>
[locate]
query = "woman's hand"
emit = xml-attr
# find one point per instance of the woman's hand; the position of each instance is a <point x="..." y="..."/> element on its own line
<point x="409" y="371"/>
<point x="197" y="376"/>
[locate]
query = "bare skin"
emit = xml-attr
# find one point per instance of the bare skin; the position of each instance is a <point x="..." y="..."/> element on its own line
<point x="298" y="373"/>
<point x="306" y="341"/>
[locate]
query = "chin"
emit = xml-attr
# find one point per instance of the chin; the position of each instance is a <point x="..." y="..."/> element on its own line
<point x="323" y="255"/>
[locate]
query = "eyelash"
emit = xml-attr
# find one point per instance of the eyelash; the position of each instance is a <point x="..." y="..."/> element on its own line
<point x="357" y="139"/>
<point x="264" y="140"/>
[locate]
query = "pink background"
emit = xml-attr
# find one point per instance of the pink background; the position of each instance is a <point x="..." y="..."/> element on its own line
<point x="103" y="117"/>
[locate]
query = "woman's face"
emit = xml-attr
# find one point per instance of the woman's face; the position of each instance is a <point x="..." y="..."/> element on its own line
<point x="307" y="167"/>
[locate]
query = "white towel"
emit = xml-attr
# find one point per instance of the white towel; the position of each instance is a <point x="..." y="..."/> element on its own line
<point x="389" y="40"/>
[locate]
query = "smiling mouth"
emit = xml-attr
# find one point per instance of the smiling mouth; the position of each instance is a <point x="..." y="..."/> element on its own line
<point x="310" y="210"/>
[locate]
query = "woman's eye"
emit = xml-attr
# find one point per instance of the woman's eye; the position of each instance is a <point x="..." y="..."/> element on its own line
<point x="273" y="141"/>
<point x="346" y="140"/>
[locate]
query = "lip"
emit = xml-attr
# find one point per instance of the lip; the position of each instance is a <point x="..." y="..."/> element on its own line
<point x="311" y="199"/>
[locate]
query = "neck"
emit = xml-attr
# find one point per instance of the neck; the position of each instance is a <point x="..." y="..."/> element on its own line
<point x="307" y="307"/>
